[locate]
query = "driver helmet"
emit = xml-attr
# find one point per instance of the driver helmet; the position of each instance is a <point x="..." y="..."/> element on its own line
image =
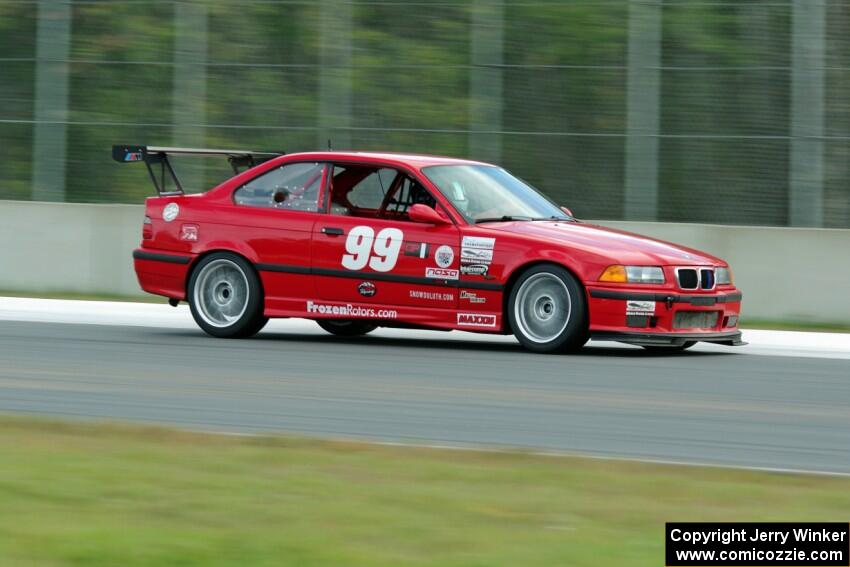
<point x="459" y="197"/>
<point x="419" y="195"/>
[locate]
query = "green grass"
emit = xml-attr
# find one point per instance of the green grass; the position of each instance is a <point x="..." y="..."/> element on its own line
<point x="114" y="495"/>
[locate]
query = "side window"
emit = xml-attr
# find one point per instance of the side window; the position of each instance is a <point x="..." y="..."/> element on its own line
<point x="294" y="187"/>
<point x="370" y="192"/>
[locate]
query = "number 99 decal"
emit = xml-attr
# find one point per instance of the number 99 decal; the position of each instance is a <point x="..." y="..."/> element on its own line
<point x="380" y="252"/>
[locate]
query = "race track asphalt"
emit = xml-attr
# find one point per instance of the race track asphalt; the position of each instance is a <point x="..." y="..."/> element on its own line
<point x="718" y="407"/>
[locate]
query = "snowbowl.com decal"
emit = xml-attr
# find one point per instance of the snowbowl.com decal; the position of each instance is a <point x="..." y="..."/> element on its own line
<point x="350" y="310"/>
<point x="431" y="295"/>
<point x="475" y="320"/>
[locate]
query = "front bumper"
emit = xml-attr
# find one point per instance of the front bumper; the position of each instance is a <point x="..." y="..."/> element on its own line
<point x="664" y="317"/>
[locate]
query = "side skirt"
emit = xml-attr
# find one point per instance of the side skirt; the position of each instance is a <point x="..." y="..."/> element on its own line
<point x="387" y="316"/>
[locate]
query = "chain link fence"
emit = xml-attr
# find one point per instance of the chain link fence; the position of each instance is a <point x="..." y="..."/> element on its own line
<point x="694" y="111"/>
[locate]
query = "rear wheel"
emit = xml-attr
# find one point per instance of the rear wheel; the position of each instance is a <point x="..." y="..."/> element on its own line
<point x="343" y="328"/>
<point x="547" y="310"/>
<point x="226" y="297"/>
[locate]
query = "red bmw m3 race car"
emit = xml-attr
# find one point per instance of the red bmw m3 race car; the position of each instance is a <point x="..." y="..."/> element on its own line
<point x="360" y="240"/>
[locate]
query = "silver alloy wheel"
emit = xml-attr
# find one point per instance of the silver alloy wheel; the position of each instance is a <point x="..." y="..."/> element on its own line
<point x="542" y="308"/>
<point x="221" y="293"/>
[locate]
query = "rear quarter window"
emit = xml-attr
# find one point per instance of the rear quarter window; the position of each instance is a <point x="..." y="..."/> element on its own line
<point x="294" y="186"/>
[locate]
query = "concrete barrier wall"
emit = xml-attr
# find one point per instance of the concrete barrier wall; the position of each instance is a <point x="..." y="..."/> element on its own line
<point x="800" y="274"/>
<point x="785" y="273"/>
<point x="63" y="247"/>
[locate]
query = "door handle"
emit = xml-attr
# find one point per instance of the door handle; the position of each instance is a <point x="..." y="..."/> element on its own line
<point x="332" y="231"/>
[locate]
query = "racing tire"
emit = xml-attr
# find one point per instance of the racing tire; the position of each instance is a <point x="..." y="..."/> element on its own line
<point x="676" y="348"/>
<point x="226" y="297"/>
<point x="343" y="328"/>
<point x="547" y="310"/>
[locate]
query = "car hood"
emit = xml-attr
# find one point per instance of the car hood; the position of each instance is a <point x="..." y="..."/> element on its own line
<point x="619" y="246"/>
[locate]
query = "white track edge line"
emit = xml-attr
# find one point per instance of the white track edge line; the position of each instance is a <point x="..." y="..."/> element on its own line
<point x="537" y="453"/>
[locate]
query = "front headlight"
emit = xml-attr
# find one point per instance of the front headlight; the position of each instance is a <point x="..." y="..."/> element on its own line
<point x="633" y="274"/>
<point x="723" y="276"/>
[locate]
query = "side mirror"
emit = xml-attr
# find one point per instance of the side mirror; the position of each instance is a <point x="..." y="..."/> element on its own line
<point x="425" y="214"/>
<point x="568" y="211"/>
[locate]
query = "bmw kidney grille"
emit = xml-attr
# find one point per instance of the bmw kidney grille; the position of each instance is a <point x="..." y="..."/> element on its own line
<point x="695" y="278"/>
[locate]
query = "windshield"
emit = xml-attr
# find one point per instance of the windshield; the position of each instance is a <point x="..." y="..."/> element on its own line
<point x="484" y="193"/>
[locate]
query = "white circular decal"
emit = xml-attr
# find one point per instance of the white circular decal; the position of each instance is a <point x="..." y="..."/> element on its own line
<point x="444" y="256"/>
<point x="169" y="213"/>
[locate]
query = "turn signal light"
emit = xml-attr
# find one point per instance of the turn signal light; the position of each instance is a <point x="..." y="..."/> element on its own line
<point x="147" y="228"/>
<point x="614" y="274"/>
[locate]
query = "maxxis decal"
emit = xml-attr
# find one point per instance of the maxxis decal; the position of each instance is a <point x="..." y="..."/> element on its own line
<point x="476" y="320"/>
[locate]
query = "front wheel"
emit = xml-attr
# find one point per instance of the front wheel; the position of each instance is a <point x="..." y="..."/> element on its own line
<point x="226" y="297"/>
<point x="547" y="310"/>
<point x="346" y="328"/>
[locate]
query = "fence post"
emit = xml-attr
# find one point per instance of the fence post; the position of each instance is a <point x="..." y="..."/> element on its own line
<point x="643" y="102"/>
<point x="335" y="74"/>
<point x="190" y="87"/>
<point x="485" y="80"/>
<point x="50" y="144"/>
<point x="808" y="55"/>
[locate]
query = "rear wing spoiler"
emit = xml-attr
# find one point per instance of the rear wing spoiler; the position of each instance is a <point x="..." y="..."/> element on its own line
<point x="161" y="170"/>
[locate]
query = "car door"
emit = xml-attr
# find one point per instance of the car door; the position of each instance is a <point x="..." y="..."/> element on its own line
<point x="386" y="259"/>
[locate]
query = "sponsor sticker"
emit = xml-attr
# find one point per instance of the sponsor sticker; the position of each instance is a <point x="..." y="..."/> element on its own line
<point x="170" y="212"/>
<point x="634" y="307"/>
<point x="189" y="232"/>
<point x="476" y="256"/>
<point x="133" y="156"/>
<point x="441" y="274"/>
<point x="416" y="249"/>
<point x="474" y="269"/>
<point x="475" y="320"/>
<point x="444" y="256"/>
<point x="483" y="242"/>
<point x="431" y="295"/>
<point x="350" y="310"/>
<point x="472" y="297"/>
<point x="367" y="289"/>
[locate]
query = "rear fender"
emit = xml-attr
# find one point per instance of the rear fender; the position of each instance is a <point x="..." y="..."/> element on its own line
<point x="240" y="248"/>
